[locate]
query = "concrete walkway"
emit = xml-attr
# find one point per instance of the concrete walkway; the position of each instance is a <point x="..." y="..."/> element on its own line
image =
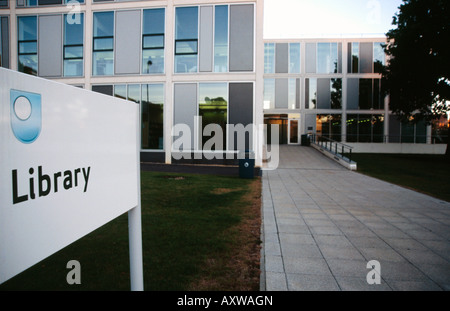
<point x="323" y="223"/>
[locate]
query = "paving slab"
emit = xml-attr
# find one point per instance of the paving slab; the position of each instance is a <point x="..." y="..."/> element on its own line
<point x="322" y="224"/>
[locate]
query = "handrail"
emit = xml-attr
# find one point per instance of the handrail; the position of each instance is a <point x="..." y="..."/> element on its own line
<point x="332" y="146"/>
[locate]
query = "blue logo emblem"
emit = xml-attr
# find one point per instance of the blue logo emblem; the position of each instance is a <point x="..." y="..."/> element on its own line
<point x="26" y="115"/>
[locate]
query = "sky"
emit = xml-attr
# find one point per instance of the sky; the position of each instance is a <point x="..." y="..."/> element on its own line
<point x="291" y="19"/>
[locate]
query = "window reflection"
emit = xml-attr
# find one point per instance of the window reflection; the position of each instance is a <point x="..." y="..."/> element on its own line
<point x="329" y="126"/>
<point x="221" y="39"/>
<point x="153" y="41"/>
<point x="103" y="50"/>
<point x="27" y="44"/>
<point x="327" y="58"/>
<point x="269" y="93"/>
<point x="269" y="57"/>
<point x="365" y="128"/>
<point x="294" y="57"/>
<point x="213" y="108"/>
<point x="186" y="39"/>
<point x="73" y="47"/>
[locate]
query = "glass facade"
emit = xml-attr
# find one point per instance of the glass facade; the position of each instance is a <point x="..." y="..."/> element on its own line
<point x="31" y="3"/>
<point x="27" y="44"/>
<point x="221" y="38"/>
<point x="152" y="116"/>
<point x="328" y="58"/>
<point x="213" y="108"/>
<point x="269" y="57"/>
<point x="294" y="57"/>
<point x="269" y="93"/>
<point x="379" y="57"/>
<point x="1" y="44"/>
<point x="151" y="99"/>
<point x="73" y="46"/>
<point x="329" y="126"/>
<point x="365" y="128"/>
<point x="186" y="39"/>
<point x="153" y="41"/>
<point x="292" y="94"/>
<point x="103" y="44"/>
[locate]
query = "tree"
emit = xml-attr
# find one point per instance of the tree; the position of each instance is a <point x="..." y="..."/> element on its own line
<point x="417" y="76"/>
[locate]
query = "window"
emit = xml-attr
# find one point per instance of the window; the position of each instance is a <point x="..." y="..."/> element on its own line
<point x="269" y="93"/>
<point x="379" y="57"/>
<point x="21" y="3"/>
<point x="1" y="42"/>
<point x="365" y="128"/>
<point x="336" y="93"/>
<point x="152" y="116"/>
<point x="323" y="93"/>
<point x="292" y="93"/>
<point x="30" y="3"/>
<point x="73" y="47"/>
<point x="27" y="44"/>
<point x="294" y="57"/>
<point x="353" y="57"/>
<point x="151" y="99"/>
<point x="153" y="41"/>
<point x="49" y="2"/>
<point x="134" y="93"/>
<point x="269" y="57"/>
<point x="221" y="39"/>
<point x="311" y="93"/>
<point x="329" y="126"/>
<point x="3" y="3"/>
<point x="213" y="108"/>
<point x="120" y="91"/>
<point x="328" y="60"/>
<point x="186" y="39"/>
<point x="103" y="44"/>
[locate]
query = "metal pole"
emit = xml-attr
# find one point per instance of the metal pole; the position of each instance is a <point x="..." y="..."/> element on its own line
<point x="135" y="224"/>
<point x="135" y="240"/>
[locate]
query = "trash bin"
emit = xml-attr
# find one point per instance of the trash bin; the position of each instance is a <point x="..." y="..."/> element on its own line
<point x="305" y="140"/>
<point x="247" y="164"/>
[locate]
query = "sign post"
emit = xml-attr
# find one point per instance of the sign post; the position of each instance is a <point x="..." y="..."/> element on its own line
<point x="69" y="163"/>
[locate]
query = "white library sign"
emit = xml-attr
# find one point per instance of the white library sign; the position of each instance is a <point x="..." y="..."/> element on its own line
<point x="69" y="163"/>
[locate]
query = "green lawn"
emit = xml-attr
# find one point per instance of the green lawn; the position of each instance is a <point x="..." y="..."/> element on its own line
<point x="425" y="173"/>
<point x="199" y="233"/>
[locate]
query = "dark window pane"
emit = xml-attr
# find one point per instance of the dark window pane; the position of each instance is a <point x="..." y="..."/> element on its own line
<point x="352" y="128"/>
<point x="152" y="116"/>
<point x="365" y="93"/>
<point x="365" y="128"/>
<point x="336" y="93"/>
<point x="378" y="128"/>
<point x="49" y="2"/>
<point x="104" y="89"/>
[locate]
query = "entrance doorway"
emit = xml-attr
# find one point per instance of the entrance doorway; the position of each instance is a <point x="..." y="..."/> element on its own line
<point x="288" y="126"/>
